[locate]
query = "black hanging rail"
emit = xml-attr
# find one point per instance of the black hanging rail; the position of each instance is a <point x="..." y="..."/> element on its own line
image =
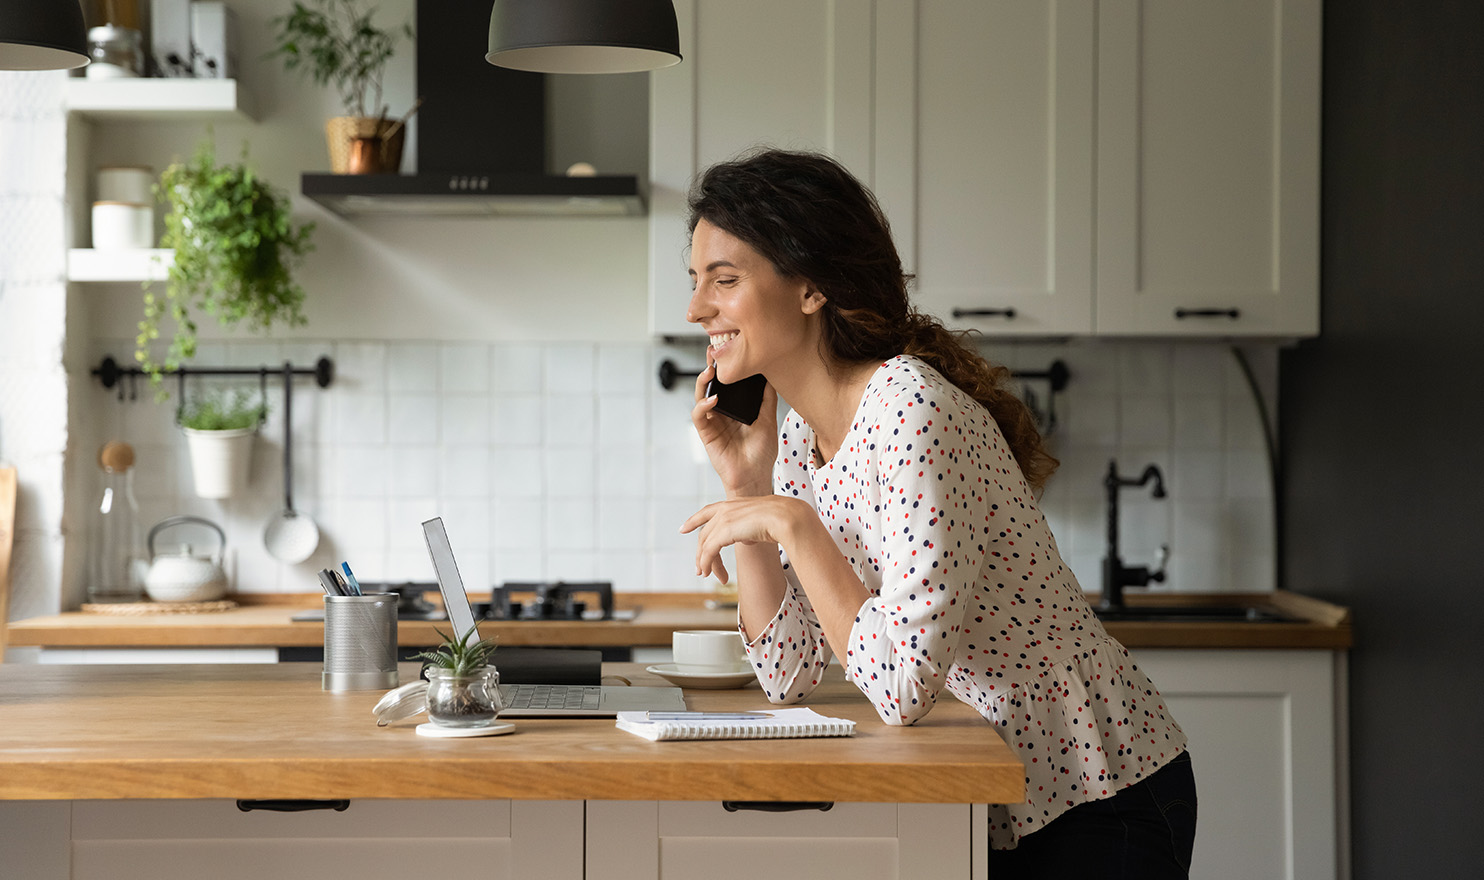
<point x="110" y="374"/>
<point x="1057" y="374"/>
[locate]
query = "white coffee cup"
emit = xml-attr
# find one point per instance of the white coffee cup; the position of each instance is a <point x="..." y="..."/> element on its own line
<point x="708" y="650"/>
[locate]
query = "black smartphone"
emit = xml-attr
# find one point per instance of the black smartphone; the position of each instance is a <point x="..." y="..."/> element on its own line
<point x="739" y="401"/>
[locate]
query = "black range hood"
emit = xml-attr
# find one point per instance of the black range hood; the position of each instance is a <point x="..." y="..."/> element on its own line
<point x="481" y="138"/>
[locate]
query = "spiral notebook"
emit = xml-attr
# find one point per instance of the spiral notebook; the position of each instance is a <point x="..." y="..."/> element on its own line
<point x="773" y="724"/>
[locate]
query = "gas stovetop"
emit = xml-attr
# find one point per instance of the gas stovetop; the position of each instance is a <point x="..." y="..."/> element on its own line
<point x="546" y="600"/>
<point x="524" y="600"/>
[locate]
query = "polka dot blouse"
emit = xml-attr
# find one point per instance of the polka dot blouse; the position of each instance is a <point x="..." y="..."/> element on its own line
<point x="969" y="596"/>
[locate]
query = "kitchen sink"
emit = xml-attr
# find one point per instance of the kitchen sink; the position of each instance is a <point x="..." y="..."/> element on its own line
<point x="1196" y="614"/>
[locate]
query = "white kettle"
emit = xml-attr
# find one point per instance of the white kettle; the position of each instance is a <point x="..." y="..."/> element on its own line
<point x="183" y="577"/>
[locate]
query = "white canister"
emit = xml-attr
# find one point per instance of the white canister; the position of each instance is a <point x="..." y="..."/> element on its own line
<point x="123" y="226"/>
<point x="126" y="183"/>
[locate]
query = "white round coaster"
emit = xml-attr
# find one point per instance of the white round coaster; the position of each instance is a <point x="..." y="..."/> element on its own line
<point x="428" y="728"/>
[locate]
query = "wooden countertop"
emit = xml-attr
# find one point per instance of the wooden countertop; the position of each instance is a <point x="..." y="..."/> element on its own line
<point x="269" y="731"/>
<point x="261" y="622"/>
<point x="1323" y="626"/>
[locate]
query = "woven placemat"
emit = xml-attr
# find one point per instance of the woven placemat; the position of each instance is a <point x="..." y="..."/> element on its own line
<point x="140" y="608"/>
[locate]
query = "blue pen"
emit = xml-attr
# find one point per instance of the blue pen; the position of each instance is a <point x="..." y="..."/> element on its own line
<point x="355" y="585"/>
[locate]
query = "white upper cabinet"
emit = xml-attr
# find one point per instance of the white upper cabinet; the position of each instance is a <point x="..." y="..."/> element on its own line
<point x="1049" y="167"/>
<point x="1208" y="167"/>
<point x="1004" y="115"/>
<point x="761" y="73"/>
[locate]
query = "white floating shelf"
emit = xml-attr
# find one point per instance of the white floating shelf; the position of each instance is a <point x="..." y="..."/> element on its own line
<point x="158" y="99"/>
<point x="88" y="264"/>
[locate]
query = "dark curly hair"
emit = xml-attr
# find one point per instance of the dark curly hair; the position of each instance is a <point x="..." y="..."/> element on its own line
<point x="813" y="219"/>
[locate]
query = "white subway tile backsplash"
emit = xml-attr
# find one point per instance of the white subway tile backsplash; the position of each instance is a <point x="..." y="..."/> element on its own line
<point x="623" y="471"/>
<point x="412" y="366"/>
<point x="1144" y="420"/>
<point x="360" y="366"/>
<point x="464" y="418"/>
<point x="518" y="472"/>
<point x="568" y="460"/>
<point x="359" y="417"/>
<point x="520" y="525"/>
<point x="469" y="522"/>
<point x="571" y="421"/>
<point x="1200" y="421"/>
<point x="571" y="473"/>
<point x="465" y="472"/>
<point x="623" y="524"/>
<point x="413" y="471"/>
<point x="516" y="369"/>
<point x="570" y="368"/>
<point x="622" y="419"/>
<point x="464" y="368"/>
<point x="361" y="471"/>
<point x="412" y="419"/>
<point x="624" y="370"/>
<point x="571" y="525"/>
<point x="516" y="421"/>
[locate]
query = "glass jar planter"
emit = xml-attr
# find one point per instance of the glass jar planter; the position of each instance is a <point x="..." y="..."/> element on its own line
<point x="471" y="700"/>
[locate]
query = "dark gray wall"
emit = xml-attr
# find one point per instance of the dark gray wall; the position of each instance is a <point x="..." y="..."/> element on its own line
<point x="1383" y="423"/>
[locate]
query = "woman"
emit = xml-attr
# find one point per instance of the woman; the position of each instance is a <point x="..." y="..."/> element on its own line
<point x="892" y="522"/>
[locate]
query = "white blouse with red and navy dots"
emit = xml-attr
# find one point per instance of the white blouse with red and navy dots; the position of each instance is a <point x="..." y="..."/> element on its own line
<point x="968" y="594"/>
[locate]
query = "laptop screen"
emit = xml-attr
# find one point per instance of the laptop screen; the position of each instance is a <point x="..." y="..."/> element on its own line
<point x="455" y="599"/>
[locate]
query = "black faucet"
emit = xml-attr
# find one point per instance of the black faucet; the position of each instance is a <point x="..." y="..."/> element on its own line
<point x="1116" y="575"/>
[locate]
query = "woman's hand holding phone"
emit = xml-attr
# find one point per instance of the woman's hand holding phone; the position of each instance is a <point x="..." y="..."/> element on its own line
<point x="742" y="454"/>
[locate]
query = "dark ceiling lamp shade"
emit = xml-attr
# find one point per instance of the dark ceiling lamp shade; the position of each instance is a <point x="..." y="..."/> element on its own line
<point x="42" y="35"/>
<point x="583" y="36"/>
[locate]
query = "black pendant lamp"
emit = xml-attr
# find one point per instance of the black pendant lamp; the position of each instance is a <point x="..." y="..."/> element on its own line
<point x="583" y="36"/>
<point x="42" y="35"/>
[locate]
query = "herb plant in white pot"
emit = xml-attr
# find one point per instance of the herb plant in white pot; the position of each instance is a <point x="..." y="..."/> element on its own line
<point x="219" y="428"/>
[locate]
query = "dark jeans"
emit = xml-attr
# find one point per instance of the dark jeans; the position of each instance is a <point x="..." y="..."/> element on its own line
<point x="1145" y="832"/>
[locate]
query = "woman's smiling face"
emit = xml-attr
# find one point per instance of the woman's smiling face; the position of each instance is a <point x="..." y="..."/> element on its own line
<point x="753" y="314"/>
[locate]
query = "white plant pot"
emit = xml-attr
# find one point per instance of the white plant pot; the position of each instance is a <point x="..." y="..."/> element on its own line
<point x="221" y="461"/>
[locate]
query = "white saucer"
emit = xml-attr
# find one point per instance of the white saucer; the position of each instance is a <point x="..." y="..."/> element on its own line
<point x="710" y="680"/>
<point x="428" y="728"/>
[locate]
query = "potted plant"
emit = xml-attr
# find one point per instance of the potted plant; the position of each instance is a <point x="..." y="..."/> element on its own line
<point x="335" y="43"/>
<point x="235" y="248"/>
<point x="219" y="428"/>
<point x="463" y="689"/>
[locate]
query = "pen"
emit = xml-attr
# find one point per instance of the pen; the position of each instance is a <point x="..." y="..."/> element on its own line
<point x="706" y="716"/>
<point x="355" y="585"/>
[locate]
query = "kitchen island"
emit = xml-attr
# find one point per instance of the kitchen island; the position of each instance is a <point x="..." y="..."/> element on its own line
<point x="122" y="771"/>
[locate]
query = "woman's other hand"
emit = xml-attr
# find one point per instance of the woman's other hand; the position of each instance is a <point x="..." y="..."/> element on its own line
<point x="754" y="520"/>
<point x="742" y="455"/>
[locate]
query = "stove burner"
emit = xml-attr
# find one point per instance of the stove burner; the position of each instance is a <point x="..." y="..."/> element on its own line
<point x="547" y="601"/>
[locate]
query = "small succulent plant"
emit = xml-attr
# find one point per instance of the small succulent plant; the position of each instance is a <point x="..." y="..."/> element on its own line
<point x="459" y="655"/>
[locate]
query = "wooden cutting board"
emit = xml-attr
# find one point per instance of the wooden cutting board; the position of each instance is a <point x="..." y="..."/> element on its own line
<point x="7" y="541"/>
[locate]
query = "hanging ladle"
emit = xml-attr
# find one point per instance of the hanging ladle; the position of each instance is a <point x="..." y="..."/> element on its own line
<point x="290" y="536"/>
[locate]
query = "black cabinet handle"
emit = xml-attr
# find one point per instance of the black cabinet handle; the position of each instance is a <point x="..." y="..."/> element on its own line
<point x="291" y="806"/>
<point x="1007" y="314"/>
<point x="1207" y="313"/>
<point x="777" y="806"/>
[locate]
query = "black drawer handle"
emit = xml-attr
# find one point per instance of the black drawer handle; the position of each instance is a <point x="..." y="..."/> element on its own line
<point x="291" y="806"/>
<point x="1007" y="314"/>
<point x="1208" y="313"/>
<point x="777" y="806"/>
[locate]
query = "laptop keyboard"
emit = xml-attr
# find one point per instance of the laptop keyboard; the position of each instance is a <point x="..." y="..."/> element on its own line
<point x="550" y="696"/>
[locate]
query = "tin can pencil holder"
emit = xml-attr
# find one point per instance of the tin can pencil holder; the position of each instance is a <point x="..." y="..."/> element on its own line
<point x="360" y="642"/>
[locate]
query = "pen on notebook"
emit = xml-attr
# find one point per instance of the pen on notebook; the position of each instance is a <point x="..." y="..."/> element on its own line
<point x="350" y="578"/>
<point x="706" y="716"/>
<point x="340" y="583"/>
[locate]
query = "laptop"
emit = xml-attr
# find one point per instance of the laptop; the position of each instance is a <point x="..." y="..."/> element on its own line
<point x="538" y="700"/>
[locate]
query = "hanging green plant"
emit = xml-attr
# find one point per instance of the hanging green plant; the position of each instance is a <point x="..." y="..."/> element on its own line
<point x="235" y="251"/>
